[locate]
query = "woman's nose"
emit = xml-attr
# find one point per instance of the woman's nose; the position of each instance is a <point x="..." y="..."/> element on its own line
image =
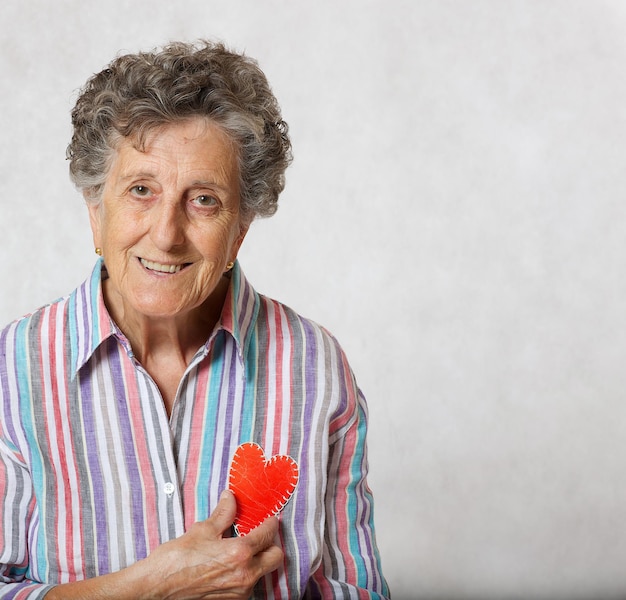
<point x="167" y="227"/>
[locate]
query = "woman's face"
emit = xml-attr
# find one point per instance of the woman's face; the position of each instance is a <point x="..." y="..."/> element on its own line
<point x="168" y="222"/>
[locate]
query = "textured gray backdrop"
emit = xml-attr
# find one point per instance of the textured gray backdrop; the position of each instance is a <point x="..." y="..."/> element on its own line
<point x="455" y="215"/>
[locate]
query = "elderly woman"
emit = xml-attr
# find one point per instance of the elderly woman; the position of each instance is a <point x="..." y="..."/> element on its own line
<point x="123" y="404"/>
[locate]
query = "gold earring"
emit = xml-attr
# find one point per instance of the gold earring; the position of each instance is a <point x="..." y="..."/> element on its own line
<point x="99" y="251"/>
<point x="229" y="265"/>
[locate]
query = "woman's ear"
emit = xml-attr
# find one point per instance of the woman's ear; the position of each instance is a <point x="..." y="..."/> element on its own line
<point x="237" y="243"/>
<point x="94" y="209"/>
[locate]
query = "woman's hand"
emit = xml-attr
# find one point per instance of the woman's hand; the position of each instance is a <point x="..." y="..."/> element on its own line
<point x="200" y="564"/>
<point x="205" y="564"/>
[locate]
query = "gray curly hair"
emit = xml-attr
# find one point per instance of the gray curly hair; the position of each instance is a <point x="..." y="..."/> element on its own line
<point x="139" y="92"/>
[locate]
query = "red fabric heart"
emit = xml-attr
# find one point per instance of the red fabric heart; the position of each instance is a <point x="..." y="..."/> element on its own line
<point x="261" y="487"/>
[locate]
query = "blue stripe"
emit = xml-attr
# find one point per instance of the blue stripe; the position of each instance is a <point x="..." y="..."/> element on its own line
<point x="28" y="423"/>
<point x="210" y="421"/>
<point x="356" y="475"/>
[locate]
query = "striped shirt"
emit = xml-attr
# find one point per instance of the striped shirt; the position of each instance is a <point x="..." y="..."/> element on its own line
<point x="94" y="475"/>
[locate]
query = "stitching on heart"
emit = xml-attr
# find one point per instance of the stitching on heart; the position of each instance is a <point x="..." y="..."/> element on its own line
<point x="261" y="487"/>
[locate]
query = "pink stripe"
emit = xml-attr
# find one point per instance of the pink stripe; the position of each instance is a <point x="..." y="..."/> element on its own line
<point x="278" y="413"/>
<point x="342" y="502"/>
<point x="140" y="442"/>
<point x="63" y="487"/>
<point x="193" y="465"/>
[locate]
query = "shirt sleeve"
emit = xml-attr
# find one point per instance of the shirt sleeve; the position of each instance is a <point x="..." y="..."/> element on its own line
<point x="16" y="505"/>
<point x="351" y="565"/>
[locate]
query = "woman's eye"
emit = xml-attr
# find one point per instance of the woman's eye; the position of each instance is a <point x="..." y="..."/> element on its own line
<point x="140" y="190"/>
<point x="204" y="200"/>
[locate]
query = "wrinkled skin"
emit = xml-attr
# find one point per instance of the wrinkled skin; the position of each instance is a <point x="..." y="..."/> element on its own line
<point x="204" y="563"/>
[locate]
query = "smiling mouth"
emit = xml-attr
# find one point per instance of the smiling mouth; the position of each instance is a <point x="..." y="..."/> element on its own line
<point x="160" y="268"/>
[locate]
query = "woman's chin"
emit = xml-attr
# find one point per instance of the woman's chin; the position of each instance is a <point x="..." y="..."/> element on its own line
<point x="151" y="305"/>
<point x="161" y="310"/>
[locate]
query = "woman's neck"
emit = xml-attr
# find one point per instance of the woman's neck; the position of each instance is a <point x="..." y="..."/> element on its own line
<point x="175" y="337"/>
<point x="165" y="345"/>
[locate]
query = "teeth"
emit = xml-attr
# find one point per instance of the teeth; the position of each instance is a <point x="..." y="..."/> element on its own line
<point x="153" y="266"/>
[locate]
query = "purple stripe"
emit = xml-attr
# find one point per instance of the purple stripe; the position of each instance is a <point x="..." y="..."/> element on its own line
<point x="132" y="466"/>
<point x="8" y="426"/>
<point x="310" y="387"/>
<point x="95" y="472"/>
<point x="230" y="400"/>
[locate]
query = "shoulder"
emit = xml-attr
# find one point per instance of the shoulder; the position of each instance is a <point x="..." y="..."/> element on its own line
<point x="33" y="340"/>
<point x="317" y="362"/>
<point x="262" y="320"/>
<point x="33" y="321"/>
<point x="281" y="318"/>
<point x="303" y="342"/>
<point x="55" y="319"/>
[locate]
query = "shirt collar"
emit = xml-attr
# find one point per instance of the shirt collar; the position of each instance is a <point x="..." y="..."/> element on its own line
<point x="240" y="311"/>
<point x="92" y="324"/>
<point x="90" y="321"/>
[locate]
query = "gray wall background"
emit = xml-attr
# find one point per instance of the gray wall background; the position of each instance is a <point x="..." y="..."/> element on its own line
<point x="455" y="215"/>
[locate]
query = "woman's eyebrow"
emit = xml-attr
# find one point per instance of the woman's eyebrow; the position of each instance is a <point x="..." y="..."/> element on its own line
<point x="138" y="175"/>
<point x="196" y="183"/>
<point x="212" y="183"/>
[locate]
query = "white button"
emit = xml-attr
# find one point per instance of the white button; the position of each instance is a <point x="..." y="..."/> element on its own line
<point x="169" y="488"/>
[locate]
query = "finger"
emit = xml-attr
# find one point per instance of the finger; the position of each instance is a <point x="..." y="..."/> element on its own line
<point x="224" y="513"/>
<point x="262" y="537"/>
<point x="269" y="559"/>
<point x="268" y="556"/>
